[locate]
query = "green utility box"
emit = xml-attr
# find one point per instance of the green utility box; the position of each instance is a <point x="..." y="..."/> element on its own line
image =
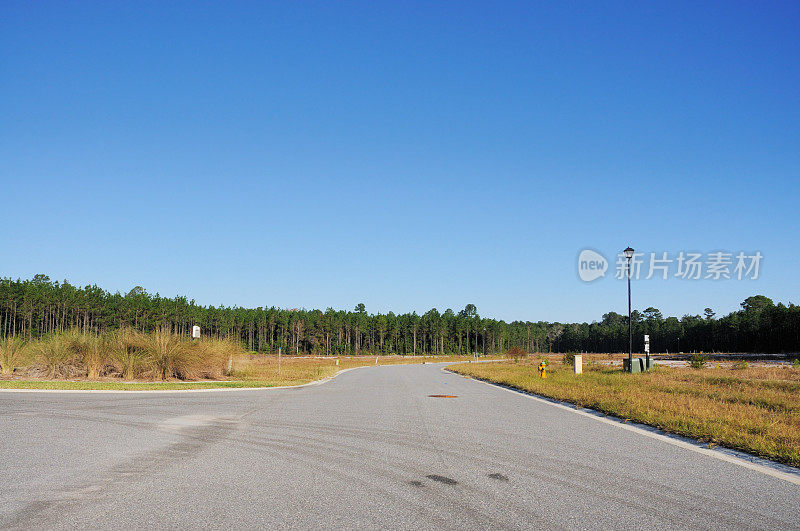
<point x="639" y="364"/>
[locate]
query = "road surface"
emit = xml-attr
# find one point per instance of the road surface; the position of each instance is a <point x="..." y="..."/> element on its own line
<point x="369" y="449"/>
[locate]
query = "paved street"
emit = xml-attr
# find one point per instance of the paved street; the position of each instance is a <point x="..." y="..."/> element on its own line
<point x="367" y="449"/>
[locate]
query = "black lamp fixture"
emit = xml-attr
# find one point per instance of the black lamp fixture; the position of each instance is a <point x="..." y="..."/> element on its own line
<point x="629" y="254"/>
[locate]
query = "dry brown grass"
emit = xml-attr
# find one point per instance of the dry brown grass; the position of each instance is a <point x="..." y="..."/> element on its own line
<point x="171" y="356"/>
<point x="89" y="351"/>
<point x="215" y="354"/>
<point x="12" y="354"/>
<point x="53" y="354"/>
<point x="126" y="348"/>
<point x="754" y="409"/>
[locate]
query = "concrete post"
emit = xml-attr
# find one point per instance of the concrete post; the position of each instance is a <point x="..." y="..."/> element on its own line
<point x="578" y="364"/>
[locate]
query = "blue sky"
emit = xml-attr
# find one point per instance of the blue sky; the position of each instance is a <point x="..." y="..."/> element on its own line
<point x="405" y="155"/>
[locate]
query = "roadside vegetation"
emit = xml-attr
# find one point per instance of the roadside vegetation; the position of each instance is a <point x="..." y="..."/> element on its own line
<point x="132" y="360"/>
<point x="754" y="409"/>
<point x="123" y="354"/>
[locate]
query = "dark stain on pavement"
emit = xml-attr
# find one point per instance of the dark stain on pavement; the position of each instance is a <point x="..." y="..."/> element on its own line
<point x="442" y="479"/>
<point x="498" y="476"/>
<point x="193" y="433"/>
<point x="416" y="483"/>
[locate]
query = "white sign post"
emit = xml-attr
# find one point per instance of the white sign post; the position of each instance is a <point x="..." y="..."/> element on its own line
<point x="195" y="332"/>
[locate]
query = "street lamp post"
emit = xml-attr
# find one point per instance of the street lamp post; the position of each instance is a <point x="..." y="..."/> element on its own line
<point x="629" y="254"/>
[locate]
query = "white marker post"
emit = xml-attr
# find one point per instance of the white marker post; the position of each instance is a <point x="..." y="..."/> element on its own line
<point x="647" y="351"/>
<point x="195" y="332"/>
<point x="578" y="363"/>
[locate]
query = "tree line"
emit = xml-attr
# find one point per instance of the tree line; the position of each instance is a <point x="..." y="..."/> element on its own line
<point x="38" y="306"/>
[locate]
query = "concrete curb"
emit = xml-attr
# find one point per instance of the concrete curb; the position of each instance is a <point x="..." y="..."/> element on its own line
<point x="172" y="391"/>
<point x="129" y="391"/>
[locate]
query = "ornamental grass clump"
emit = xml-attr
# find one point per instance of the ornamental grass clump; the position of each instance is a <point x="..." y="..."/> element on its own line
<point x="90" y="352"/>
<point x="169" y="355"/>
<point x="127" y="348"/>
<point x="54" y="353"/>
<point x="13" y="353"/>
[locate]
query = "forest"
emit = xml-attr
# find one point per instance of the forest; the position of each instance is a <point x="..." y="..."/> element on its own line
<point x="35" y="307"/>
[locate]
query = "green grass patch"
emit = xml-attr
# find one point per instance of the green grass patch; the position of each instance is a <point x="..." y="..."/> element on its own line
<point x="66" y="385"/>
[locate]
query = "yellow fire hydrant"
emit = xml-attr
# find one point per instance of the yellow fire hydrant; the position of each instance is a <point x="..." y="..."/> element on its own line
<point x="543" y="369"/>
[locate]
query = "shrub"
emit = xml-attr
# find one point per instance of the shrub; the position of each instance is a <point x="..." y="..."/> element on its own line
<point x="568" y="359"/>
<point x="127" y="349"/>
<point x="170" y="355"/>
<point x="12" y="354"/>
<point x="124" y="352"/>
<point x="796" y="363"/>
<point x="698" y="361"/>
<point x="516" y="353"/>
<point x="90" y="351"/>
<point x="54" y="353"/>
<point x="740" y="365"/>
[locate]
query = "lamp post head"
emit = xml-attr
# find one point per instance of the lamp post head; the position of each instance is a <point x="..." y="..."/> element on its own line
<point x="628" y="253"/>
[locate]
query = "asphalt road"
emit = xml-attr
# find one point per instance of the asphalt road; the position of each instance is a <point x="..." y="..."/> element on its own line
<point x="368" y="449"/>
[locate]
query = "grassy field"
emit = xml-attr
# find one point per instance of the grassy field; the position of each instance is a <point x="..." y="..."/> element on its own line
<point x="756" y="410"/>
